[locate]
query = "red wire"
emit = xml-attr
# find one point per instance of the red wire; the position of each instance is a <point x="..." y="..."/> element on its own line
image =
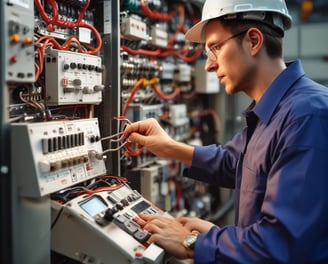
<point x="153" y="53"/>
<point x="119" y="178"/>
<point x="166" y="96"/>
<point x="160" y="53"/>
<point x="132" y="152"/>
<point x="154" y="14"/>
<point x="105" y="188"/>
<point x="54" y="20"/>
<point x="191" y="59"/>
<point x="133" y="92"/>
<point x="180" y="27"/>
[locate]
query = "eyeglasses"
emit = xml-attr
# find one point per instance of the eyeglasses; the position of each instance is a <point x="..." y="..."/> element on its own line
<point x="210" y="53"/>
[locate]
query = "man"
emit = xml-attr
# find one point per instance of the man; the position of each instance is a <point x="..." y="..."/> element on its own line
<point x="277" y="165"/>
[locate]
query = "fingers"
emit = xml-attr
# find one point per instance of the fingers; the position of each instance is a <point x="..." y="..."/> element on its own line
<point x="137" y="138"/>
<point x="140" y="127"/>
<point x="129" y="129"/>
<point x="153" y="223"/>
<point x="153" y="217"/>
<point x="140" y="221"/>
<point x="137" y="132"/>
<point x="152" y="229"/>
<point x="166" y="232"/>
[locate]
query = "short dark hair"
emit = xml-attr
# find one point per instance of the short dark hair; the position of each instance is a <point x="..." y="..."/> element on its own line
<point x="272" y="37"/>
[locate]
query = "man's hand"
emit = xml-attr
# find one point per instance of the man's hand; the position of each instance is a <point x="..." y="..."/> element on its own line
<point x="166" y="232"/>
<point x="195" y="225"/>
<point x="148" y="133"/>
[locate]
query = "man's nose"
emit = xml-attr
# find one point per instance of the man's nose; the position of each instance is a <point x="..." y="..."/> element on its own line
<point x="211" y="65"/>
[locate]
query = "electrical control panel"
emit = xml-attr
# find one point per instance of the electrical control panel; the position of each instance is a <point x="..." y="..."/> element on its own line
<point x="105" y="222"/>
<point x="19" y="51"/>
<point x="73" y="78"/>
<point x="75" y="70"/>
<point x="47" y="157"/>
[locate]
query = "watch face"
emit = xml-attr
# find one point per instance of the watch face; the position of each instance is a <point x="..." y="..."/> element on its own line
<point x="190" y="241"/>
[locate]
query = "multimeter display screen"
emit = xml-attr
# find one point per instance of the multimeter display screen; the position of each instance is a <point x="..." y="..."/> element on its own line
<point x="93" y="206"/>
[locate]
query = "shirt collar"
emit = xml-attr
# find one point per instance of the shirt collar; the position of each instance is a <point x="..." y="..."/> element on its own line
<point x="273" y="95"/>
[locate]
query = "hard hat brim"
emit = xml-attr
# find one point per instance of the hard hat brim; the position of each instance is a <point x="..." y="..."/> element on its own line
<point x="197" y="32"/>
<point x="241" y="9"/>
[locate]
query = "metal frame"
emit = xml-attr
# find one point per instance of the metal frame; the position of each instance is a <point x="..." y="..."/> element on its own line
<point x="5" y="179"/>
<point x="111" y="105"/>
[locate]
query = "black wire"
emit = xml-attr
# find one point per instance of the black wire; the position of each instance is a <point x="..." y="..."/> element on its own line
<point x="57" y="217"/>
<point x="70" y="193"/>
<point x="67" y="194"/>
<point x="97" y="184"/>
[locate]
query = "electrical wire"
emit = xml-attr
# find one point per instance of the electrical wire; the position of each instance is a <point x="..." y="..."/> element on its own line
<point x="67" y="194"/>
<point x="123" y="142"/>
<point x="180" y="27"/>
<point x="154" y="14"/>
<point x="154" y="84"/>
<point x="37" y="105"/>
<point x="57" y="218"/>
<point x="165" y="53"/>
<point x="45" y="41"/>
<point x="57" y="21"/>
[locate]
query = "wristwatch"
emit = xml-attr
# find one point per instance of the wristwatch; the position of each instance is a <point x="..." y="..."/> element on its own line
<point x="190" y="241"/>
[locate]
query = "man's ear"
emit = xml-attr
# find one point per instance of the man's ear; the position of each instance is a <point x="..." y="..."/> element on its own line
<point x="255" y="39"/>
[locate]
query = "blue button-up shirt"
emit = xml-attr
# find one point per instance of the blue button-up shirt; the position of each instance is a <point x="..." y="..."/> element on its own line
<point x="281" y="179"/>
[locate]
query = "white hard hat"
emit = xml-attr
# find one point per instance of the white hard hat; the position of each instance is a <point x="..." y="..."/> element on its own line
<point x="241" y="9"/>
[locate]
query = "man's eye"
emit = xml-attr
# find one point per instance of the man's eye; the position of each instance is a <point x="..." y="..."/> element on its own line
<point x="217" y="47"/>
